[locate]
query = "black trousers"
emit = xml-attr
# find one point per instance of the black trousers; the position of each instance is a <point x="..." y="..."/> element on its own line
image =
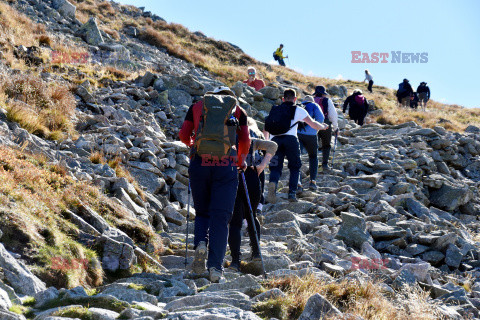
<point x="325" y="141"/>
<point x="370" y="85"/>
<point x="241" y="211"/>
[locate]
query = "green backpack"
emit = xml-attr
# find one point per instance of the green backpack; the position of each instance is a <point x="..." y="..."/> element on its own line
<point x="214" y="137"/>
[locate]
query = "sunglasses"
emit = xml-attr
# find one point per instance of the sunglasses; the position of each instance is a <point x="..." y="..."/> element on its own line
<point x="251" y="73"/>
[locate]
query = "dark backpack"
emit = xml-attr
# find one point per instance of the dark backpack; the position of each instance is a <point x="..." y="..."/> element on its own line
<point x="275" y="56"/>
<point x="323" y="103"/>
<point x="279" y="119"/>
<point x="359" y="101"/>
<point x="213" y="135"/>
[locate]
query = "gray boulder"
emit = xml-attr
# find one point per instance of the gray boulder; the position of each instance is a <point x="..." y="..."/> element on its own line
<point x="179" y="97"/>
<point x="91" y="33"/>
<point x="353" y="230"/>
<point x="271" y="93"/>
<point x="449" y="197"/>
<point x="17" y="274"/>
<point x="65" y="8"/>
<point x="5" y="302"/>
<point x="318" y="308"/>
<point x="117" y="255"/>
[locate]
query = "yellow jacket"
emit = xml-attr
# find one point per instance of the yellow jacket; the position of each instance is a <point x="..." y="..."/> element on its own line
<point x="279" y="53"/>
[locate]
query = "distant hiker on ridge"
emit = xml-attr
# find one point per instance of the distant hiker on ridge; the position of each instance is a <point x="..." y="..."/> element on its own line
<point x="404" y="93"/>
<point x="357" y="106"/>
<point x="213" y="172"/>
<point x="252" y="81"/>
<point x="369" y="78"/>
<point x="282" y="122"/>
<point x="423" y="94"/>
<point x="307" y="136"/>
<point x="278" y="56"/>
<point x="331" y="119"/>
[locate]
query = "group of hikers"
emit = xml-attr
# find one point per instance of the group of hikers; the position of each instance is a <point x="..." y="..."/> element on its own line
<point x="229" y="155"/>
<point x="406" y="97"/>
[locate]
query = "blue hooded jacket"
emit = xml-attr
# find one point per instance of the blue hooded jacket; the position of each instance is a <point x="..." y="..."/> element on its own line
<point x="316" y="113"/>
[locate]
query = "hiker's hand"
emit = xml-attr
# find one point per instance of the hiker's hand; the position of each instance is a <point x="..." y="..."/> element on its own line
<point x="336" y="131"/>
<point x="242" y="166"/>
<point x="324" y="126"/>
<point x="260" y="168"/>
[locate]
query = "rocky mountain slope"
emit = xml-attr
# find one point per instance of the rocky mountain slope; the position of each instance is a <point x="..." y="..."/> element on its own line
<point x="93" y="205"/>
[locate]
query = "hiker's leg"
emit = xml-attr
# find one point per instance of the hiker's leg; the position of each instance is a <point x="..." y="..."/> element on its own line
<point x="326" y="136"/>
<point x="253" y="186"/>
<point x="222" y="200"/>
<point x="360" y="120"/>
<point x="370" y="85"/>
<point x="292" y="152"/>
<point x="262" y="186"/>
<point x="311" y="144"/>
<point x="235" y="227"/>
<point x="276" y="164"/>
<point x="200" y="184"/>
<point x="281" y="62"/>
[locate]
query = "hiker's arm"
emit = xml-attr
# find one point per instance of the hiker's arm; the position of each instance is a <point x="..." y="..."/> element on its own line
<point x="428" y="93"/>
<point x="270" y="148"/>
<point x="186" y="132"/>
<point x="314" y="124"/>
<point x="262" y="84"/>
<point x="332" y="115"/>
<point x="345" y="104"/>
<point x="243" y="138"/>
<point x="266" y="134"/>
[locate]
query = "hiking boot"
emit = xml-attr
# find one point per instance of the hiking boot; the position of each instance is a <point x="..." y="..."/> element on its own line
<point x="313" y="185"/>
<point x="272" y="193"/>
<point x="198" y="265"/>
<point x="215" y="275"/>
<point x="292" y="197"/>
<point x="299" y="189"/>
<point x="325" y="168"/>
<point x="234" y="266"/>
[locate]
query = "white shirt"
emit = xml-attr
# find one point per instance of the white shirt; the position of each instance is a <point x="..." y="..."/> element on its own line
<point x="368" y="77"/>
<point x="332" y="115"/>
<point x="300" y="114"/>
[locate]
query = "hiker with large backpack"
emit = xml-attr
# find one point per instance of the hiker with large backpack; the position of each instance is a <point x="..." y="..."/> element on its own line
<point x="357" y="106"/>
<point x="281" y="125"/>
<point x="331" y="119"/>
<point x="212" y="128"/>
<point x="255" y="168"/>
<point x="252" y="81"/>
<point x="404" y="93"/>
<point x="278" y="56"/>
<point x="307" y="137"/>
<point x="423" y="94"/>
<point x="369" y="78"/>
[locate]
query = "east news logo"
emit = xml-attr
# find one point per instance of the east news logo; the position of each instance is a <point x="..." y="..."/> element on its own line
<point x="394" y="56"/>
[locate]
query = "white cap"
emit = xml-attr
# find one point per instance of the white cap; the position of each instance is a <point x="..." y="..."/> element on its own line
<point x="222" y="89"/>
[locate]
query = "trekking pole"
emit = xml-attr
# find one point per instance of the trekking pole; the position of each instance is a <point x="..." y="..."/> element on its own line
<point x="334" y="147"/>
<point x="188" y="219"/>
<point x="253" y="224"/>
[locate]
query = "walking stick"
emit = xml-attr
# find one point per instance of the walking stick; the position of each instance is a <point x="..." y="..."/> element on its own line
<point x="253" y="223"/>
<point x="188" y="219"/>
<point x="334" y="147"/>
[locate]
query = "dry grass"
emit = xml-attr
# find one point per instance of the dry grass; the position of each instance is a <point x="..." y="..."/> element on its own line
<point x="41" y="108"/>
<point x="363" y="299"/>
<point x="34" y="199"/>
<point x="17" y="29"/>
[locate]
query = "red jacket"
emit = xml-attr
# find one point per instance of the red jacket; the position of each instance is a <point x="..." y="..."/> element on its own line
<point x="192" y="120"/>
<point x="257" y="84"/>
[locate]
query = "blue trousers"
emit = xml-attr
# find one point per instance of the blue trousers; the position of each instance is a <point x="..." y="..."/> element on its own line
<point x="289" y="147"/>
<point x="214" y="189"/>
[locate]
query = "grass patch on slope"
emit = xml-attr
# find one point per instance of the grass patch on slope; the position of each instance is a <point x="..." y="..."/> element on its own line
<point x="34" y="200"/>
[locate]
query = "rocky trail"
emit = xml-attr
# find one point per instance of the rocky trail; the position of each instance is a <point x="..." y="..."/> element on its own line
<point x="400" y="207"/>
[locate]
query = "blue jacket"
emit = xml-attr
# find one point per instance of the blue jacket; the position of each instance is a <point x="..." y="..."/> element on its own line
<point x="316" y="113"/>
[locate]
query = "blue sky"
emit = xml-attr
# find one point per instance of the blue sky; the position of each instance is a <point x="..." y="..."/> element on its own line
<point x="319" y="37"/>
